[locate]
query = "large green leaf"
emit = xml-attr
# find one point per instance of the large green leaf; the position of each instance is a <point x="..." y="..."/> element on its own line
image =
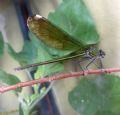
<point x="26" y="56"/>
<point x="97" y="96"/>
<point x="74" y="18"/>
<point x="9" y="79"/>
<point x="1" y="44"/>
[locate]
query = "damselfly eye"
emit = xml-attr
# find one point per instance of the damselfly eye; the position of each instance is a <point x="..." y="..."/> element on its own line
<point x="102" y="53"/>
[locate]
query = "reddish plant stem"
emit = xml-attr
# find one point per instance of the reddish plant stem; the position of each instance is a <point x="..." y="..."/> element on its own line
<point x="57" y="77"/>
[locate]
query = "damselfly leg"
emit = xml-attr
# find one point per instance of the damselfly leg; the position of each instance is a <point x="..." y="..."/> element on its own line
<point x="92" y="59"/>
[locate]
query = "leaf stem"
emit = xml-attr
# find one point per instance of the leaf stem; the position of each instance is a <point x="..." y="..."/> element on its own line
<point x="58" y="77"/>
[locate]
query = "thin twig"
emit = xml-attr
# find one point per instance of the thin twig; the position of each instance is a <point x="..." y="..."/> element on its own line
<point x="57" y="77"/>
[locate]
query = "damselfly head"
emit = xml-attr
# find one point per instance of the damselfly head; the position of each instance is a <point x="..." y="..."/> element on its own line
<point x="95" y="52"/>
<point x="101" y="53"/>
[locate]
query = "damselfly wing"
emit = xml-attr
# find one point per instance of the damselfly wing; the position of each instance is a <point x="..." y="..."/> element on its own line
<point x="52" y="35"/>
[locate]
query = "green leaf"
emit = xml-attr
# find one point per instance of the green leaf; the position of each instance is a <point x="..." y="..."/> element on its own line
<point x="29" y="102"/>
<point x="74" y="18"/>
<point x="9" y="79"/>
<point x="1" y="45"/>
<point x="26" y="56"/>
<point x="49" y="69"/>
<point x="97" y="96"/>
<point x="43" y="55"/>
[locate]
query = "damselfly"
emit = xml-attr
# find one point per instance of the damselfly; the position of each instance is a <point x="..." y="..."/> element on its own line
<point x="54" y="37"/>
